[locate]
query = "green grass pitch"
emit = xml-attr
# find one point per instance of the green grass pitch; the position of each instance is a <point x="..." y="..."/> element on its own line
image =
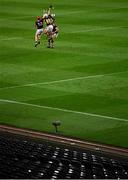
<point x="83" y="81"/>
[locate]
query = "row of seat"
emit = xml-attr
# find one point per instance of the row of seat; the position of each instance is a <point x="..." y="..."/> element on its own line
<point x="25" y="158"/>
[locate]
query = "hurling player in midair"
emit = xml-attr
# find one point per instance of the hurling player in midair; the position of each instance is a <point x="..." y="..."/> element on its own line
<point x="51" y="29"/>
<point x="39" y="30"/>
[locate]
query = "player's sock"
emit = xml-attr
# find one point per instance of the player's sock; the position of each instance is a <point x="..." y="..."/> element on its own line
<point x="48" y="43"/>
<point x="36" y="43"/>
<point x="52" y="46"/>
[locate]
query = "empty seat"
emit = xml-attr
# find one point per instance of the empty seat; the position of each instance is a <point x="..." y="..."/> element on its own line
<point x="23" y="158"/>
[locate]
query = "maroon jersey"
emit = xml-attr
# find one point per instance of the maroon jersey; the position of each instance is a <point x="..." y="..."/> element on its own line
<point x="39" y="23"/>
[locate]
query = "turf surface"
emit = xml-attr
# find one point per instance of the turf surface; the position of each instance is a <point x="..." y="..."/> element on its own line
<point x="83" y="82"/>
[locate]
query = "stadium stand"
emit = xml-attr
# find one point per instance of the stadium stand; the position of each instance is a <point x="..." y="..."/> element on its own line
<point x="22" y="157"/>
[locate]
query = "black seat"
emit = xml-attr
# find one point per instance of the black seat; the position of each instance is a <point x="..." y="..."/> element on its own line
<point x="26" y="158"/>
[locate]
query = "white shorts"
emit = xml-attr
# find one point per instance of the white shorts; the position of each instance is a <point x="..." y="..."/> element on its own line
<point x="49" y="28"/>
<point x="39" y="31"/>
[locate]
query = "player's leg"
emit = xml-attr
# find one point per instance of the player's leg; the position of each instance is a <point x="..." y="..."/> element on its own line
<point x="49" y="40"/>
<point x="38" y="36"/>
<point x="49" y="35"/>
<point x="54" y="36"/>
<point x="52" y="42"/>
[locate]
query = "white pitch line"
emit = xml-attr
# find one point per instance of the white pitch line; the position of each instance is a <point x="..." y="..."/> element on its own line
<point x="9" y="38"/>
<point x="63" y="110"/>
<point x="68" y="13"/>
<point x="97" y="29"/>
<point x="62" y="80"/>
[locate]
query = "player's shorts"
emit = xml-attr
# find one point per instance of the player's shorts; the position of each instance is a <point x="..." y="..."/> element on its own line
<point x="39" y="31"/>
<point x="49" y="28"/>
